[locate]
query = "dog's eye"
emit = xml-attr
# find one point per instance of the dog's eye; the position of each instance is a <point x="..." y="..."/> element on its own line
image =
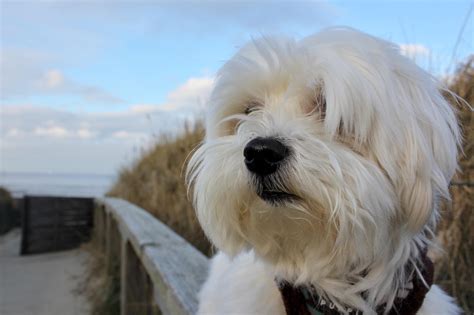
<point x="251" y="107"/>
<point x="319" y="104"/>
<point x="248" y="110"/>
<point x="316" y="105"/>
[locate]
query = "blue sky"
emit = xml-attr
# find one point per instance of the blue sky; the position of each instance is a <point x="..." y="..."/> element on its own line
<point x="85" y="84"/>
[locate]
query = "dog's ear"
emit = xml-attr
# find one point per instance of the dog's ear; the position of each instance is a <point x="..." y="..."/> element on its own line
<point x="417" y="202"/>
<point x="430" y="142"/>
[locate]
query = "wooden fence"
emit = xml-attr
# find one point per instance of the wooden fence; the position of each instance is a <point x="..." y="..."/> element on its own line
<point x="160" y="273"/>
<point x="55" y="223"/>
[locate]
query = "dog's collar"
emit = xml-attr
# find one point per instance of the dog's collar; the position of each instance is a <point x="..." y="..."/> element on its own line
<point x="303" y="300"/>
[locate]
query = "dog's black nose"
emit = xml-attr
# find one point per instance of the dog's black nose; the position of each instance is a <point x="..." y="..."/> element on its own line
<point x="264" y="155"/>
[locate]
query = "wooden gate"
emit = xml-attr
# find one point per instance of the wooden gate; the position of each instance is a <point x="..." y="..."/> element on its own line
<point x="55" y="223"/>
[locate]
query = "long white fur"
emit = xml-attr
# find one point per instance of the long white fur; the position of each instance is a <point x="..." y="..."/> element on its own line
<point x="369" y="171"/>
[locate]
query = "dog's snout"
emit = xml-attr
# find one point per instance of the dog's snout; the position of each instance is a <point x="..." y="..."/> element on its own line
<point x="264" y="155"/>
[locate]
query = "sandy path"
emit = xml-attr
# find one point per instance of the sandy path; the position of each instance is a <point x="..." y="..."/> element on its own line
<point x="39" y="284"/>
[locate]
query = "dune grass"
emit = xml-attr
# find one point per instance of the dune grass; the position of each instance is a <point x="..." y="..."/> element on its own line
<point x="155" y="182"/>
<point x="454" y="269"/>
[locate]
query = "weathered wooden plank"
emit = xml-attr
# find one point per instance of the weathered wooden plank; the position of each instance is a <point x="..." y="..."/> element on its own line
<point x="60" y="231"/>
<point x="50" y="205"/>
<point x="176" y="269"/>
<point x="48" y="222"/>
<point x="57" y="210"/>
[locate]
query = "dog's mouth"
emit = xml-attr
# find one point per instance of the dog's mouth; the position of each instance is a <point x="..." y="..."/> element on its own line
<point x="276" y="197"/>
<point x="272" y="189"/>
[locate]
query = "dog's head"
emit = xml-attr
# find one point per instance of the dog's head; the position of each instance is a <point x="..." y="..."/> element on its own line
<point x="323" y="155"/>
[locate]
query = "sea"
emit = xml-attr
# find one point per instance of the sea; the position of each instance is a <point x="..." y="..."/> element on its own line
<point x="56" y="184"/>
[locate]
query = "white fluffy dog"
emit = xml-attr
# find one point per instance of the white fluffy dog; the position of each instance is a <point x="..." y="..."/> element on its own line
<point x="320" y="179"/>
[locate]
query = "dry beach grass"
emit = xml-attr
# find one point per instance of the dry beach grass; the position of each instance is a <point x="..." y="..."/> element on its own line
<point x="155" y="182"/>
<point x="456" y="233"/>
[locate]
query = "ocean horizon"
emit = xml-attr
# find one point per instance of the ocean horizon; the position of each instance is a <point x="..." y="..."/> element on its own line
<point x="56" y="184"/>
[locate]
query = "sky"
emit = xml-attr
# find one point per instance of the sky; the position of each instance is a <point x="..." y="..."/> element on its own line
<point x="86" y="85"/>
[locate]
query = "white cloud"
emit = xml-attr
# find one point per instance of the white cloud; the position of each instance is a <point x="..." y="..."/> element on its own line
<point x="123" y="134"/>
<point x="51" y="131"/>
<point x="415" y="51"/>
<point x="32" y="130"/>
<point x="36" y="138"/>
<point x="13" y="133"/>
<point x="144" y="108"/>
<point x="194" y="93"/>
<point x="85" y="133"/>
<point x="26" y="73"/>
<point x="53" y="79"/>
<point x="190" y="97"/>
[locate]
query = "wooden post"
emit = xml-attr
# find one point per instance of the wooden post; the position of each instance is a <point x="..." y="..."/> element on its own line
<point x="123" y="276"/>
<point x="108" y="240"/>
<point x="24" y="225"/>
<point x="139" y="289"/>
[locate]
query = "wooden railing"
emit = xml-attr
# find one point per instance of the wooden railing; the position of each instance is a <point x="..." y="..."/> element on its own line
<point x="160" y="273"/>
